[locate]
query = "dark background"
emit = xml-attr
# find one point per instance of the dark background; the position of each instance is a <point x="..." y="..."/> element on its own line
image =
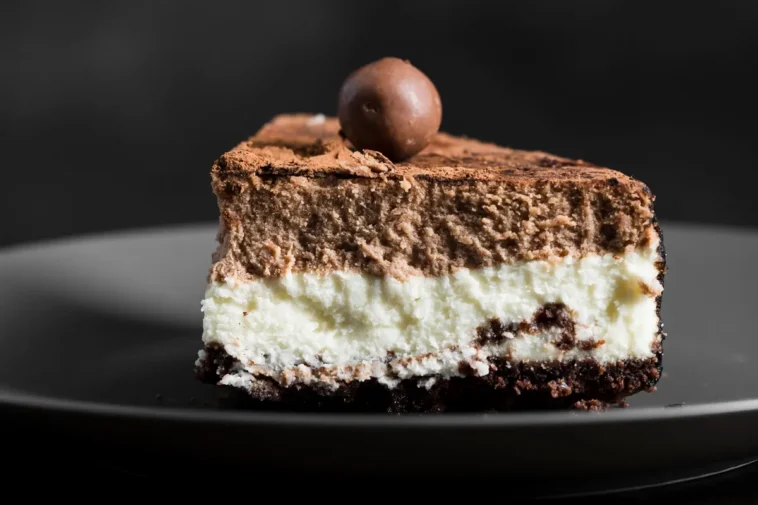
<point x="111" y="113"/>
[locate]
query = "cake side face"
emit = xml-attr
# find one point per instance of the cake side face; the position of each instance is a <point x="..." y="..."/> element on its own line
<point x="350" y="279"/>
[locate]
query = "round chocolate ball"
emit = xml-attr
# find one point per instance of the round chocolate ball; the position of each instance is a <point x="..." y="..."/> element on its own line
<point x="389" y="106"/>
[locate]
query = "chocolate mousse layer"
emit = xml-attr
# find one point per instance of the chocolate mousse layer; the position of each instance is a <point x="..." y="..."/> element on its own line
<point x="297" y="197"/>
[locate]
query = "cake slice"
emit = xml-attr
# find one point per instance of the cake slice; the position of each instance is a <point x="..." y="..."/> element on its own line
<point x="468" y="277"/>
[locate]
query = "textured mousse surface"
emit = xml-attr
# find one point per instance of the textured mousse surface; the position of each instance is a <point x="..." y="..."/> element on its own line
<point x="297" y="197"/>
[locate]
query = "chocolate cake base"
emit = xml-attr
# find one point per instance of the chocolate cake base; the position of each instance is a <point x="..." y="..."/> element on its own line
<point x="586" y="385"/>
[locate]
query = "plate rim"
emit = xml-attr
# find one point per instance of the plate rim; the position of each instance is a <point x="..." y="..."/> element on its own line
<point x="10" y="399"/>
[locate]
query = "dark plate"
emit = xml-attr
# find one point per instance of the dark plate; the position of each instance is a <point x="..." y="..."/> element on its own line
<point x="99" y="336"/>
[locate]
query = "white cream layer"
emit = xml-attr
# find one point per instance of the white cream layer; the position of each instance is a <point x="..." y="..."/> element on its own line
<point x="349" y="322"/>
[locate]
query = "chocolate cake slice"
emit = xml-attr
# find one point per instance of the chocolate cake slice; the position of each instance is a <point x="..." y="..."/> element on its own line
<point x="469" y="277"/>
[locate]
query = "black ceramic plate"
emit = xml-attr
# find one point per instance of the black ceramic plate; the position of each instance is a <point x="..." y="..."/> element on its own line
<point x="98" y="336"/>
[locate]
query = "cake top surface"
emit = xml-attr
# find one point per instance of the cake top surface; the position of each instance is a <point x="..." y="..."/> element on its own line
<point x="311" y="145"/>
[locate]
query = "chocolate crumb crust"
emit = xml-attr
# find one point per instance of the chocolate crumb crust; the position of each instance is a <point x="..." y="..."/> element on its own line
<point x="584" y="384"/>
<point x="593" y="405"/>
<point x="297" y="197"/>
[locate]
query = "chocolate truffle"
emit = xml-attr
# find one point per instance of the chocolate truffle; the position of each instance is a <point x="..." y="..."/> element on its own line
<point x="389" y="106"/>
